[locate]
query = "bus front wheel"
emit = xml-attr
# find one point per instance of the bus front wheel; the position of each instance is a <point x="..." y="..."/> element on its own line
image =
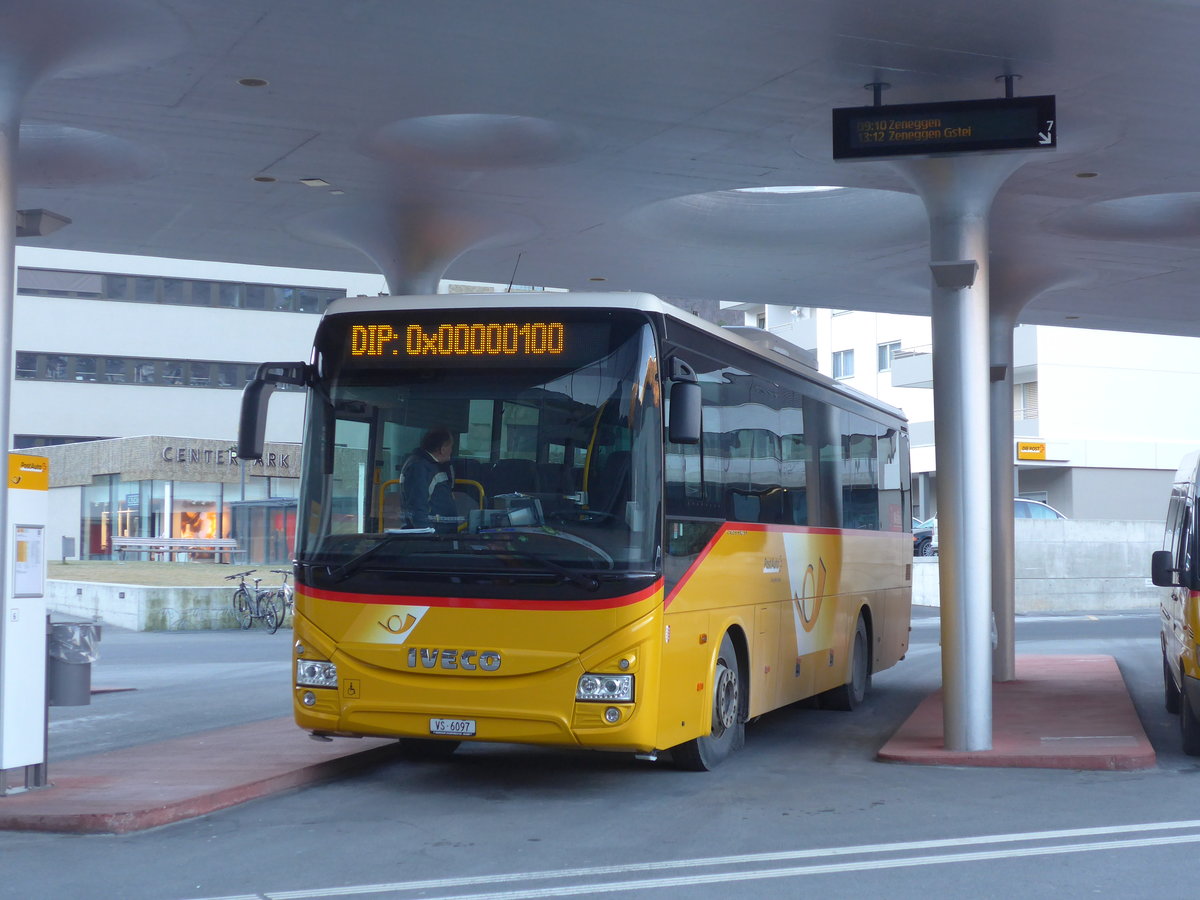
<point x="1189" y="726"/>
<point x="1171" y="693"/>
<point x="728" y="727"/>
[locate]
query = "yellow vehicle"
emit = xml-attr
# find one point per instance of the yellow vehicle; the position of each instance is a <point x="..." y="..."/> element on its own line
<point x="660" y="529"/>
<point x="1177" y="566"/>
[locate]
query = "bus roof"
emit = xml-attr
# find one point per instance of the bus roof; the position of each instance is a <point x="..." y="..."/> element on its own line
<point x="632" y="300"/>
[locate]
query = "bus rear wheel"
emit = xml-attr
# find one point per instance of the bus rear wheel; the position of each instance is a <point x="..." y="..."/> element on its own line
<point x="728" y="727"/>
<point x="850" y="695"/>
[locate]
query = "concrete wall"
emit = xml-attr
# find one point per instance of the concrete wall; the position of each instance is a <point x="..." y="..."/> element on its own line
<point x="143" y="608"/>
<point x="1070" y="565"/>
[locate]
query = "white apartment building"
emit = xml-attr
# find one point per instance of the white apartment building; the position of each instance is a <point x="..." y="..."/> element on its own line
<point x="1115" y="411"/>
<point x="128" y="375"/>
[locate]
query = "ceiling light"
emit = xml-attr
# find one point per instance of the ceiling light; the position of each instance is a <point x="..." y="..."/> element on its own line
<point x="1086" y="174"/>
<point x="336" y="192"/>
<point x="265" y="179"/>
<point x="597" y="279"/>
<point x="314" y="182"/>
<point x="253" y="82"/>
<point x="790" y="189"/>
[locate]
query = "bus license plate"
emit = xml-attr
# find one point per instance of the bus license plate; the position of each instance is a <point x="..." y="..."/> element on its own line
<point x="453" y="727"/>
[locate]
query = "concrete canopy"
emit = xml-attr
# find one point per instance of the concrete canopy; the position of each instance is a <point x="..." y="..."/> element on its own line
<point x="610" y="141"/>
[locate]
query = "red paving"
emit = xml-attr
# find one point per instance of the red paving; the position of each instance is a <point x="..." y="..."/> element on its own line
<point x="1061" y="712"/>
<point x="155" y="784"/>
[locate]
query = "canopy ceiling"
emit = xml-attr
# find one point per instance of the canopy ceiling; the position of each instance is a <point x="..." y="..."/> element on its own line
<point x="569" y="141"/>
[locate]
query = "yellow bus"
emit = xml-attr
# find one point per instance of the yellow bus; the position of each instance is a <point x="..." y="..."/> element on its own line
<point x="660" y="529"/>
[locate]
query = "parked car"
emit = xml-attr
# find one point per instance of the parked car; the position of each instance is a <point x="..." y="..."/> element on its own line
<point x="923" y="536"/>
<point x="1022" y="509"/>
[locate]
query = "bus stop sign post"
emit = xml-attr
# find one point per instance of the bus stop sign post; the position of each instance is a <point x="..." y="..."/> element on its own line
<point x="23" y="661"/>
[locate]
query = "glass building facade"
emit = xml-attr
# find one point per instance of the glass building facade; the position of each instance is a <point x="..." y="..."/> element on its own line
<point x="162" y="487"/>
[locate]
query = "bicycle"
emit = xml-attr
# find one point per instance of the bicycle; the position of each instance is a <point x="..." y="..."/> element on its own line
<point x="262" y="606"/>
<point x="285" y="594"/>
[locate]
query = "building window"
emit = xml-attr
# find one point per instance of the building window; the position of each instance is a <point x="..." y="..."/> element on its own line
<point x="843" y="363"/>
<point x="122" y="370"/>
<point x="174" y="291"/>
<point x="887" y="352"/>
<point x="1025" y="401"/>
<point x="761" y="320"/>
<point x="27" y="366"/>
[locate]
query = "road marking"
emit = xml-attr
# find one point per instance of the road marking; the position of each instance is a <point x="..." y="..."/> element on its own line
<point x="1120" y="739"/>
<point x="759" y="858"/>
<point x="1022" y="619"/>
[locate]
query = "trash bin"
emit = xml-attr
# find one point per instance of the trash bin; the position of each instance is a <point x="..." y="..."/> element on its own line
<point x="70" y="652"/>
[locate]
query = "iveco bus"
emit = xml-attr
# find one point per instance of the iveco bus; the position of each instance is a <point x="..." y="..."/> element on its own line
<point x="661" y="530"/>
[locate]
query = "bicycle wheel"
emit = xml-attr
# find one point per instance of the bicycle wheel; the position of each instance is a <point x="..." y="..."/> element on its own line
<point x="243" y="611"/>
<point x="268" y="612"/>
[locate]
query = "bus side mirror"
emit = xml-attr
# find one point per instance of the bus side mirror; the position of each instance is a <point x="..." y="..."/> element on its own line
<point x="253" y="424"/>
<point x="683" y="427"/>
<point x="1161" y="572"/>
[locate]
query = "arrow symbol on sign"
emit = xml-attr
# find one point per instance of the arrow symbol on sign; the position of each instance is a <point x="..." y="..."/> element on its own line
<point x="1045" y="137"/>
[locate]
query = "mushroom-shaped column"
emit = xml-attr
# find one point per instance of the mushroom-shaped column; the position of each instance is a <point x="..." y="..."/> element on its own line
<point x="1014" y="284"/>
<point x="958" y="192"/>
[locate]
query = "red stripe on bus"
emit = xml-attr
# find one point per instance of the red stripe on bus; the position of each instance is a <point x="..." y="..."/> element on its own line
<point x="481" y="602"/>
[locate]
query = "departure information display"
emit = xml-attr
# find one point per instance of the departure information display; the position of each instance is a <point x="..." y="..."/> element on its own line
<point x="960" y="126"/>
<point x="387" y="340"/>
<point x="459" y="339"/>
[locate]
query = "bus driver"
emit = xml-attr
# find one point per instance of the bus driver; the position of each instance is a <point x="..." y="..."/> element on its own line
<point x="426" y="482"/>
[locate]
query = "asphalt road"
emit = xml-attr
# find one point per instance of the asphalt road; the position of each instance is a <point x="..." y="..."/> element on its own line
<point x="804" y="809"/>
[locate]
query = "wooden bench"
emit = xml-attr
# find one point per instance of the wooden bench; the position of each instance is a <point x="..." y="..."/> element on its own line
<point x="178" y="548"/>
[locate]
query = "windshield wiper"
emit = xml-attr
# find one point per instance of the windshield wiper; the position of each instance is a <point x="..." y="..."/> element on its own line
<point x="576" y="577"/>
<point x="346" y="569"/>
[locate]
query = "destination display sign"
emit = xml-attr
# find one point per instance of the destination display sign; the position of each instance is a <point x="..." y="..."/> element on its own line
<point x="389" y="340"/>
<point x="958" y="126"/>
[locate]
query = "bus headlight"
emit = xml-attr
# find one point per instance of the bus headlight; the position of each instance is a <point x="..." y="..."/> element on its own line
<point x="605" y="688"/>
<point x="316" y="673"/>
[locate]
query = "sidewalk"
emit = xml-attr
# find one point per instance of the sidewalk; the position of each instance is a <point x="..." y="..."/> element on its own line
<point x="159" y="783"/>
<point x="1062" y="712"/>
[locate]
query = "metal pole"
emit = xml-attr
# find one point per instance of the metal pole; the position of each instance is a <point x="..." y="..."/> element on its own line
<point x="10" y="123"/>
<point x="958" y="192"/>
<point x="1004" y="662"/>
<point x="10" y="127"/>
<point x="964" y="501"/>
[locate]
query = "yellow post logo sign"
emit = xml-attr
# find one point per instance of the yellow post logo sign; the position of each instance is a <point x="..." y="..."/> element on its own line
<point x="1031" y="449"/>
<point x="30" y="473"/>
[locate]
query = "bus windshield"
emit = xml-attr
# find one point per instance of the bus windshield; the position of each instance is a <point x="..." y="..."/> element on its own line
<point x="550" y="484"/>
